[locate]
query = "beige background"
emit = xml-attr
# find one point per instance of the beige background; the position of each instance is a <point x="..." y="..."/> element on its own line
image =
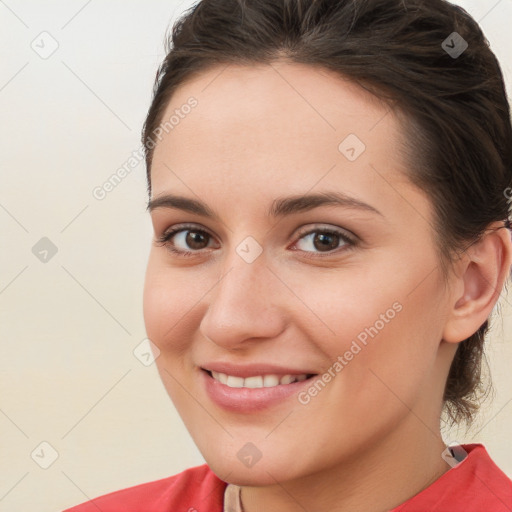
<point x="69" y="326"/>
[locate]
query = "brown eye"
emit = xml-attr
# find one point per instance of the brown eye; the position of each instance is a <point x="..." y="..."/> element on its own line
<point x="324" y="241"/>
<point x="185" y="240"/>
<point x="196" y="239"/>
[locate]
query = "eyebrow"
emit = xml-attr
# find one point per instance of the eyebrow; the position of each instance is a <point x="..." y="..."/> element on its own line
<point x="279" y="208"/>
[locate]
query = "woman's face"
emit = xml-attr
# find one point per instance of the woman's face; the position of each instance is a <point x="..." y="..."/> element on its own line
<point x="302" y="249"/>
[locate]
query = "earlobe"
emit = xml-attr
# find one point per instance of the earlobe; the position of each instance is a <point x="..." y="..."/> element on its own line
<point x="482" y="272"/>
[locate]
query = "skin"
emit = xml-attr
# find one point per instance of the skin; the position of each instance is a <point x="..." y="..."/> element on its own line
<point x="370" y="439"/>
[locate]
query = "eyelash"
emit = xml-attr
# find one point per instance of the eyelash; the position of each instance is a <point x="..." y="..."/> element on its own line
<point x="349" y="240"/>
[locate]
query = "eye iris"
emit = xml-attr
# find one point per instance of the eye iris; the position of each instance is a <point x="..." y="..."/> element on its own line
<point x="195" y="238"/>
<point x="327" y="241"/>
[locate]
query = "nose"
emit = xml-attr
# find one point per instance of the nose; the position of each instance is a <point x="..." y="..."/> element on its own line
<point x="244" y="305"/>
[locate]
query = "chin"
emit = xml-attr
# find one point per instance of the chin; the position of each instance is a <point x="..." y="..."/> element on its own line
<point x="234" y="473"/>
<point x="261" y="473"/>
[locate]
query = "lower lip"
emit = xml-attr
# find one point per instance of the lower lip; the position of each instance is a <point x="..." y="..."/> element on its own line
<point x="249" y="399"/>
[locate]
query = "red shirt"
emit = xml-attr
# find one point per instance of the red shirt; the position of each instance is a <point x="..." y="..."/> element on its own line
<point x="475" y="484"/>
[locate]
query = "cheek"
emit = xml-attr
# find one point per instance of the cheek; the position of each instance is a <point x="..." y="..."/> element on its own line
<point x="381" y="324"/>
<point x="169" y="304"/>
<point x="348" y="304"/>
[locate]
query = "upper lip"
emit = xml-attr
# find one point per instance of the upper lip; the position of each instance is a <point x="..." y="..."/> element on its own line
<point x="251" y="370"/>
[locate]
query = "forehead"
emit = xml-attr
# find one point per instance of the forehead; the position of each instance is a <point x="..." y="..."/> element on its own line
<point x="284" y="125"/>
<point x="301" y="103"/>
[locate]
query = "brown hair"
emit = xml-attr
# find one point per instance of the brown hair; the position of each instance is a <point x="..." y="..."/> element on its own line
<point x="458" y="141"/>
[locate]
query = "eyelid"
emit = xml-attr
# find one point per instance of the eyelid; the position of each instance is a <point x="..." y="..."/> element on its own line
<point x="350" y="239"/>
<point x="183" y="226"/>
<point x="322" y="227"/>
<point x="177" y="228"/>
<point x="347" y="236"/>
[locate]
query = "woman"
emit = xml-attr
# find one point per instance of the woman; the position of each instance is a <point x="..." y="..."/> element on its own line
<point x="327" y="185"/>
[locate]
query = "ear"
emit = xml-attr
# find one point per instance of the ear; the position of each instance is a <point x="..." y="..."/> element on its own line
<point x="478" y="279"/>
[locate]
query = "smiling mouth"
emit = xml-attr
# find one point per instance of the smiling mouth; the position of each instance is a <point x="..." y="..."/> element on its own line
<point x="258" y="381"/>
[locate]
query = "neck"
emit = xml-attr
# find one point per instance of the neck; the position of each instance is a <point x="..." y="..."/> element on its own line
<point x="383" y="476"/>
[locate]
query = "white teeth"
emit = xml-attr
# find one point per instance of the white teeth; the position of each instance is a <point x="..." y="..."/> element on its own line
<point x="287" y="379"/>
<point x="235" y="382"/>
<point x="253" y="382"/>
<point x="257" y="381"/>
<point x="270" y="380"/>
